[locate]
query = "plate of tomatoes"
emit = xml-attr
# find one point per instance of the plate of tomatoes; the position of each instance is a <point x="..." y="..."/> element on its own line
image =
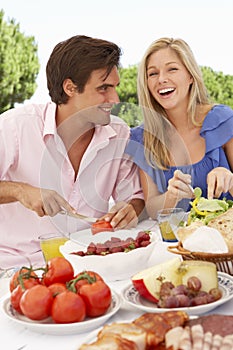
<point x="53" y="300"/>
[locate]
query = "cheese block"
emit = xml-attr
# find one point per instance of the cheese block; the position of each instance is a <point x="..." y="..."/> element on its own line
<point x="206" y="272"/>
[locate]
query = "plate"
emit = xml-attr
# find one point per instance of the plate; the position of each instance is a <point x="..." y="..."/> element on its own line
<point x="48" y="327"/>
<point x="85" y="237"/>
<point x="112" y="267"/>
<point x="225" y="281"/>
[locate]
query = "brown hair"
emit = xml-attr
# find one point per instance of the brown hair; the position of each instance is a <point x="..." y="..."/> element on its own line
<point x="76" y="58"/>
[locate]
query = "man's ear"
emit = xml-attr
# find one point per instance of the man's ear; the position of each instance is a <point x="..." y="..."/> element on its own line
<point x="69" y="87"/>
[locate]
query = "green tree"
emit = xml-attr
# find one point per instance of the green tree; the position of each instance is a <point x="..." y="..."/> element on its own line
<point x="219" y="86"/>
<point x="128" y="109"/>
<point x="19" y="64"/>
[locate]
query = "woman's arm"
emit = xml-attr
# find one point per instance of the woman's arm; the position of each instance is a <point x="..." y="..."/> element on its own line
<point x="220" y="179"/>
<point x="177" y="189"/>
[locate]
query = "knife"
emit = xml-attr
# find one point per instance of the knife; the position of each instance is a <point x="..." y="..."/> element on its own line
<point x="77" y="216"/>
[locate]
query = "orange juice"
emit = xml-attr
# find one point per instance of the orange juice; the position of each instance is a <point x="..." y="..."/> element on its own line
<point x="50" y="245"/>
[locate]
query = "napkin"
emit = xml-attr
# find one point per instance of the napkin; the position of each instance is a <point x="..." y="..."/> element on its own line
<point x="207" y="240"/>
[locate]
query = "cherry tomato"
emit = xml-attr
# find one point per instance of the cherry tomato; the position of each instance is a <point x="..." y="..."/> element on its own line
<point x="57" y="288"/>
<point x="94" y="291"/>
<point x="100" y="226"/>
<point x="36" y="302"/>
<point x="57" y="270"/>
<point x="24" y="276"/>
<point x="15" y="298"/>
<point x="68" y="307"/>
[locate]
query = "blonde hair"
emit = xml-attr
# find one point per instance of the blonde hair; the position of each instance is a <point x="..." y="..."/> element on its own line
<point x="156" y="124"/>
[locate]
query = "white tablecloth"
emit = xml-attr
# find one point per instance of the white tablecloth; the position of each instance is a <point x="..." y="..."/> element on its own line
<point x="16" y="337"/>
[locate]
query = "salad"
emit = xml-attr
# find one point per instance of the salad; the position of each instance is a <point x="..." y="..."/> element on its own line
<point x="203" y="209"/>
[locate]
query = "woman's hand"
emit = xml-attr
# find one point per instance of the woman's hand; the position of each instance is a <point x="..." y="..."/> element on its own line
<point x="219" y="180"/>
<point x="179" y="186"/>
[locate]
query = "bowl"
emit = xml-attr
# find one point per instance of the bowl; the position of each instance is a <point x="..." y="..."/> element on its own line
<point x="112" y="267"/>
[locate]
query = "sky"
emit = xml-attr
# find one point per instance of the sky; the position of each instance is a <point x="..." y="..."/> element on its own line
<point x="206" y="25"/>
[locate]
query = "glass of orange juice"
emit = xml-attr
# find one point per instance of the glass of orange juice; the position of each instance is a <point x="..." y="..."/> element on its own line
<point x="50" y="243"/>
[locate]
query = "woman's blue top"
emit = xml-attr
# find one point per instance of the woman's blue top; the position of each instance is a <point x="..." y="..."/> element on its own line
<point x="217" y="129"/>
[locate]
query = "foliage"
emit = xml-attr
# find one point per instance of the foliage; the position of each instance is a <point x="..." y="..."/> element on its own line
<point x="219" y="87"/>
<point x="127" y="89"/>
<point x="19" y="64"/>
<point x="131" y="113"/>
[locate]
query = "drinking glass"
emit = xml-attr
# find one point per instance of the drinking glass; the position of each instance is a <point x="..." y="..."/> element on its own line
<point x="50" y="243"/>
<point x="169" y="220"/>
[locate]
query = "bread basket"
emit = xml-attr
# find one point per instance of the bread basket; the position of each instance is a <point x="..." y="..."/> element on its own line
<point x="223" y="262"/>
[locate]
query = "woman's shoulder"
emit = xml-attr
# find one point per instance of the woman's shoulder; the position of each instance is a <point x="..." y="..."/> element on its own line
<point x="217" y="128"/>
<point x="217" y="115"/>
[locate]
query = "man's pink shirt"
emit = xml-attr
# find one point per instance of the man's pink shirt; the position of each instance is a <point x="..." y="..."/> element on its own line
<point x="32" y="152"/>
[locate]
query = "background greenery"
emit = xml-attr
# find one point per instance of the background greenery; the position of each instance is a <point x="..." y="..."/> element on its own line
<point x="19" y="68"/>
<point x="19" y="64"/>
<point x="219" y="87"/>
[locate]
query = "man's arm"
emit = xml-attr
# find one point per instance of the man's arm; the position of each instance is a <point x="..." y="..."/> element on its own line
<point x="42" y="201"/>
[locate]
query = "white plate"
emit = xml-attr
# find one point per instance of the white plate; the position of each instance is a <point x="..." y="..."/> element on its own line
<point x="48" y="327"/>
<point x="112" y="267"/>
<point x="85" y="237"/>
<point x="225" y="281"/>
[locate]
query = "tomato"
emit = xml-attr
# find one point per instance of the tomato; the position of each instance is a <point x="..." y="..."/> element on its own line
<point x="100" y="226"/>
<point x="57" y="288"/>
<point x="94" y="291"/>
<point x="97" y="297"/>
<point x="15" y="298"/>
<point x="36" y="302"/>
<point x="68" y="307"/>
<point x="24" y="276"/>
<point x="81" y="279"/>
<point x="57" y="270"/>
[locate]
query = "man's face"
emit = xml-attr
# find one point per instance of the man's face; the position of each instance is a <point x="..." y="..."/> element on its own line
<point x="98" y="97"/>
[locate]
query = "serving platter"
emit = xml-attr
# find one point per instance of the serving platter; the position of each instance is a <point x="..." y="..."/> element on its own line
<point x="85" y="237"/>
<point x="47" y="326"/>
<point x="225" y="281"/>
<point x="112" y="267"/>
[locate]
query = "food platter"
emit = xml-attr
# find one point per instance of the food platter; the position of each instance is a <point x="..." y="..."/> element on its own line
<point x="112" y="267"/>
<point x="48" y="327"/>
<point x="225" y="281"/>
<point x="85" y="237"/>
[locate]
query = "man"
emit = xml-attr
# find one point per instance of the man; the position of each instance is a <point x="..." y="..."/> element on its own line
<point x="67" y="155"/>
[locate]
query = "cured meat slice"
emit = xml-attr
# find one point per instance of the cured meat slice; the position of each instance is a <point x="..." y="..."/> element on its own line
<point x="210" y="323"/>
<point x="208" y="338"/>
<point x="197" y="335"/>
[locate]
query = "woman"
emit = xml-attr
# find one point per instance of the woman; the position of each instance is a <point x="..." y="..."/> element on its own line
<point x="184" y="140"/>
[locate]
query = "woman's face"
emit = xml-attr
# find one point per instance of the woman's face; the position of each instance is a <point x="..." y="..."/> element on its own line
<point x="168" y="80"/>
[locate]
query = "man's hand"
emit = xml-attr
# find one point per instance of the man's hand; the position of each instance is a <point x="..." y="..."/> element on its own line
<point x="122" y="215"/>
<point x="42" y="201"/>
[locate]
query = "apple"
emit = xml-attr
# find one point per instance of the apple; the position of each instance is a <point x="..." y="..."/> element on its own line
<point x="148" y="281"/>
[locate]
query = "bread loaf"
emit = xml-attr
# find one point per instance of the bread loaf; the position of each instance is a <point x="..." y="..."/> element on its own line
<point x="224" y="224"/>
<point x="184" y="232"/>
